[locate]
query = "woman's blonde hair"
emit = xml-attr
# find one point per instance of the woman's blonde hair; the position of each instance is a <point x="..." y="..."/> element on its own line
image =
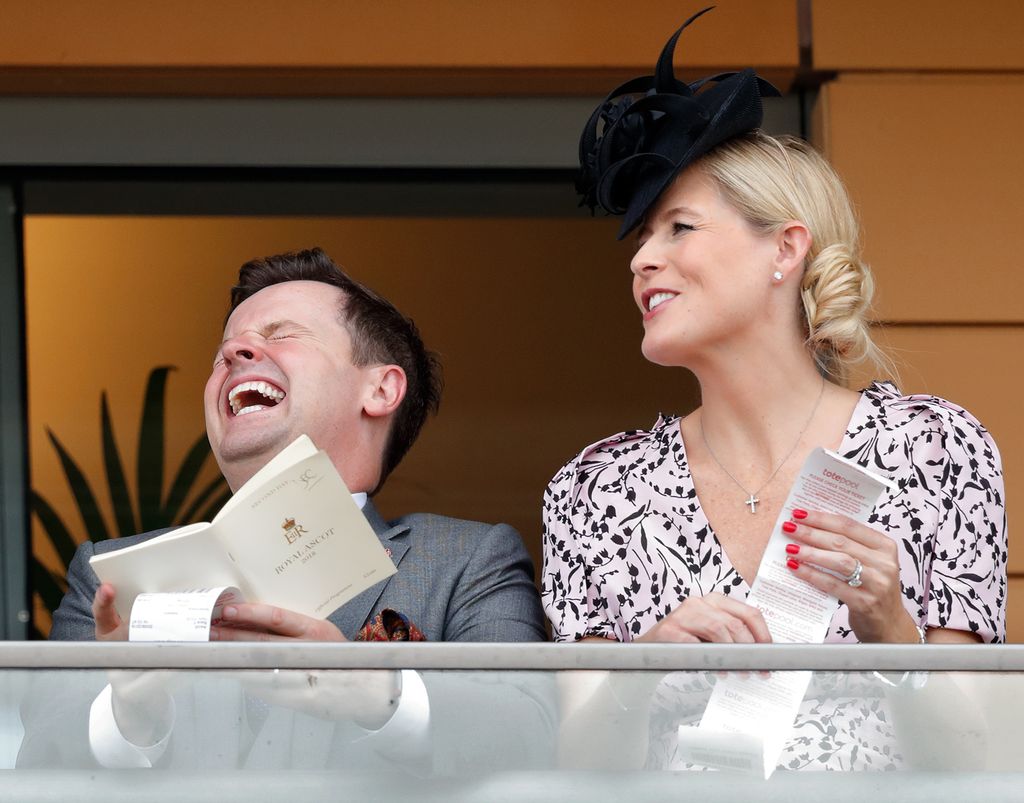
<point x="773" y="180"/>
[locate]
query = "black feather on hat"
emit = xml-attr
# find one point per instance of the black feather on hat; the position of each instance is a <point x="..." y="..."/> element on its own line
<point x="648" y="129"/>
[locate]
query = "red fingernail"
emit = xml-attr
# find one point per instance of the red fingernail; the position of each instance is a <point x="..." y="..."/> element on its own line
<point x="799" y="513"/>
<point x="792" y="549"/>
<point x="788" y="527"/>
<point x="793" y="564"/>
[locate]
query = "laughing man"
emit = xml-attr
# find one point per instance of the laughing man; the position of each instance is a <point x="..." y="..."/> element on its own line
<point x="307" y="349"/>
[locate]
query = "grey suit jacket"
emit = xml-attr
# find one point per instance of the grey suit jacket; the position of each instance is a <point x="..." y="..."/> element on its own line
<point x="456" y="580"/>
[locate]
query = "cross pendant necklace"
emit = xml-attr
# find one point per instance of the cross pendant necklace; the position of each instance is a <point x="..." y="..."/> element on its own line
<point x="752" y="501"/>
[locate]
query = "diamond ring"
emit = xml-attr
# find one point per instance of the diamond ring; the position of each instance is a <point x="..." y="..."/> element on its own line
<point x="854" y="581"/>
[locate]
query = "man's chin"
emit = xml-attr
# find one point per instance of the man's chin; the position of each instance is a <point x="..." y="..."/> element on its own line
<point x="242" y="450"/>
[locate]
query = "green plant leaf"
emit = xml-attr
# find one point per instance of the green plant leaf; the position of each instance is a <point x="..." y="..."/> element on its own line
<point x="213" y="487"/>
<point x="150" y="465"/>
<point x="185" y="478"/>
<point x="216" y="505"/>
<point x="119" y="496"/>
<point x="47" y="585"/>
<point x="54" y="527"/>
<point x="95" y="527"/>
<point x="152" y="513"/>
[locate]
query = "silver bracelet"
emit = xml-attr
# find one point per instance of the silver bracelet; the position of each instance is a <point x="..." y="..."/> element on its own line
<point x="917" y="679"/>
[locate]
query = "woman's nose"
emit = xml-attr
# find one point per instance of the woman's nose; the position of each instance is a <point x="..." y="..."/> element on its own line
<point x="646" y="260"/>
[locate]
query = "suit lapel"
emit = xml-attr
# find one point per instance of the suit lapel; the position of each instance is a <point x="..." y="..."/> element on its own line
<point x="351" y="616"/>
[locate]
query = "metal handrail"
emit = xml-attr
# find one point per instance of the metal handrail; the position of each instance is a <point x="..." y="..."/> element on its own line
<point x="524" y="657"/>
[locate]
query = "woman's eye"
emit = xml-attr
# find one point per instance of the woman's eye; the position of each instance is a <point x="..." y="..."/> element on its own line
<point x="680" y="228"/>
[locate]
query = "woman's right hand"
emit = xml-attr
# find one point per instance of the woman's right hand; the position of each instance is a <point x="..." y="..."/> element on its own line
<point x="713" y="618"/>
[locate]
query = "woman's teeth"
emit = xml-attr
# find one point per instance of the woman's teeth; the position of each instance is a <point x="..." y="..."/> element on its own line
<point x="659" y="298"/>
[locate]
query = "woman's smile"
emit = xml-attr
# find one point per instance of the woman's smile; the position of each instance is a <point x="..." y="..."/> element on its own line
<point x="654" y="299"/>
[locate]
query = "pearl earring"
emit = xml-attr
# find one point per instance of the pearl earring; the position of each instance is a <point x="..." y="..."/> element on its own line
<point x="777" y="276"/>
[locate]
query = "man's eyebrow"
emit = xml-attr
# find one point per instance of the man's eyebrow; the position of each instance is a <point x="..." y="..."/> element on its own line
<point x="267" y="330"/>
<point x="273" y="327"/>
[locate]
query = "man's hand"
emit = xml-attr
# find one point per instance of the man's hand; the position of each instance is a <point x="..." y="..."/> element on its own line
<point x="369" y="698"/>
<point x="141" y="700"/>
<point x="109" y="626"/>
<point x="250" y="621"/>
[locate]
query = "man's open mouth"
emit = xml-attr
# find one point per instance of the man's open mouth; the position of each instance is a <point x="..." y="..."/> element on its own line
<point x="249" y="397"/>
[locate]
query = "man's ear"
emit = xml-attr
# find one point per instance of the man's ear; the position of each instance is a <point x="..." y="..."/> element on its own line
<point x="793" y="241"/>
<point x="387" y="389"/>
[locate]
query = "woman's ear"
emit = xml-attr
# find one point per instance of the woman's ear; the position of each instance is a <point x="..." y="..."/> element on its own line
<point x="793" y="241"/>
<point x="387" y="389"/>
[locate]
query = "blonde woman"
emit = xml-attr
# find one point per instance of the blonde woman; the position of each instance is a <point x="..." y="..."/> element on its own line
<point x="748" y="273"/>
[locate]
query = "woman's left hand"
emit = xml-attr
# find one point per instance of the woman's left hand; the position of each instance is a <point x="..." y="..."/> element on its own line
<point x="837" y="543"/>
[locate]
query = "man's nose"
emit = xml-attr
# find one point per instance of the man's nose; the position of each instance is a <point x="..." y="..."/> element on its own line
<point x="241" y="349"/>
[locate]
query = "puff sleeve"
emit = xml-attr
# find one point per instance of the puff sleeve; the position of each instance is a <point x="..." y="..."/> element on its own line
<point x="571" y="601"/>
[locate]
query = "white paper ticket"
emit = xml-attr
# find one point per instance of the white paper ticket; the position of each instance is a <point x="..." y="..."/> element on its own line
<point x="761" y="709"/>
<point x="179" y="616"/>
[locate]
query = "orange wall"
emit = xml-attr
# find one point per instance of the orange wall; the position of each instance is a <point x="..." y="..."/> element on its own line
<point x="396" y="33"/>
<point x="940" y="209"/>
<point x="337" y="47"/>
<point x="933" y="35"/>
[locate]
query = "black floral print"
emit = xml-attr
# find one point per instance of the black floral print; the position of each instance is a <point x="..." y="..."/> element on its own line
<point x="625" y="539"/>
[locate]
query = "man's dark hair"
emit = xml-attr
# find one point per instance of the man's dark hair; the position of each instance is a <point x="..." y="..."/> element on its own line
<point x="380" y="335"/>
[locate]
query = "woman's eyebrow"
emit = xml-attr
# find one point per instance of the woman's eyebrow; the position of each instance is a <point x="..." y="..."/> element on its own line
<point x="645" y="228"/>
<point x="682" y="209"/>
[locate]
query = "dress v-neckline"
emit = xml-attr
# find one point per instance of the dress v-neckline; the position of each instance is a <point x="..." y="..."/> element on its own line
<point x="683" y="461"/>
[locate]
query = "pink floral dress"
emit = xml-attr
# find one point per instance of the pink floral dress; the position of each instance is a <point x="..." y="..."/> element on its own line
<point x="625" y="539"/>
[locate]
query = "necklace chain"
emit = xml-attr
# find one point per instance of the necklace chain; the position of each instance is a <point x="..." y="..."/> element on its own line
<point x="752" y="499"/>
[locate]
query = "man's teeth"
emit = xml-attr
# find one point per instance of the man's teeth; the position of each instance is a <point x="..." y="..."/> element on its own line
<point x="659" y="298"/>
<point x="269" y="392"/>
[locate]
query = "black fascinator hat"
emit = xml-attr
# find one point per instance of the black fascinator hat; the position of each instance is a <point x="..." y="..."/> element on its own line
<point x="648" y="129"/>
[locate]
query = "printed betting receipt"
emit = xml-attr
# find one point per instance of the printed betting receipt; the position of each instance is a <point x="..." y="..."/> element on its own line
<point x="181" y="616"/>
<point x="749" y="716"/>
